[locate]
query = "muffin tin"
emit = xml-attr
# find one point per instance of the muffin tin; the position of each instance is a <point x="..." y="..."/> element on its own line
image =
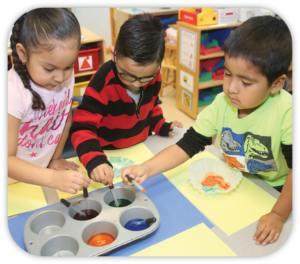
<point x="52" y="231"/>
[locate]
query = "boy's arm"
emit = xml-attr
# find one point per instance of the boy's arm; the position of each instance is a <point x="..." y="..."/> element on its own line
<point x="158" y="124"/>
<point x="170" y="157"/>
<point x="83" y="132"/>
<point x="270" y="225"/>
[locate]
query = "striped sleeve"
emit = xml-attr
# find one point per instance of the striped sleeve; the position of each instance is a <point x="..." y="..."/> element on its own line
<point x="86" y="122"/>
<point x="158" y="124"/>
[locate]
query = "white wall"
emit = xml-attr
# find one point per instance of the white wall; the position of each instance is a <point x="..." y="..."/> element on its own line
<point x="96" y="19"/>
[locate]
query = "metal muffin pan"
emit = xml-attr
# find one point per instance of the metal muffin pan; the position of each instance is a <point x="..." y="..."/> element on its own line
<point x="53" y="231"/>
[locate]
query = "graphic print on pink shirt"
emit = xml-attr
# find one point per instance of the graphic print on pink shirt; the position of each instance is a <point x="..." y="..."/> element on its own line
<point x="37" y="135"/>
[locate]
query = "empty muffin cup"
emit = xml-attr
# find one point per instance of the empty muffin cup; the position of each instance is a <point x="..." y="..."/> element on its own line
<point x="60" y="246"/>
<point x="47" y="223"/>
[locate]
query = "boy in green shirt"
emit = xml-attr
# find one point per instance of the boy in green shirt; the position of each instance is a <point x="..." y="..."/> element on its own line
<point x="252" y="118"/>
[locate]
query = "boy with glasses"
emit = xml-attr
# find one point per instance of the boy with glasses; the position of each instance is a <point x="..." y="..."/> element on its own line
<point x="119" y="107"/>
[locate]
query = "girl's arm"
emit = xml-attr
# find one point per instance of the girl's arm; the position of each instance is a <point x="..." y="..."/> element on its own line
<point x="23" y="171"/>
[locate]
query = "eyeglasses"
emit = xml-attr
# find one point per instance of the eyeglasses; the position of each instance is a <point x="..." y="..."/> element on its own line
<point x="131" y="78"/>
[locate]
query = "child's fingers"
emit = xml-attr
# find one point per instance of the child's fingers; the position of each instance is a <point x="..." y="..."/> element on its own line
<point x="262" y="237"/>
<point x="109" y="175"/>
<point x="269" y="238"/>
<point x="275" y="237"/>
<point x="171" y="134"/>
<point x="125" y="172"/>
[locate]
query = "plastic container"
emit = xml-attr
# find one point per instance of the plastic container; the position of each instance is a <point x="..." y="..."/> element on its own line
<point x="53" y="231"/>
<point x="88" y="60"/>
<point x="226" y="15"/>
<point x="245" y="13"/>
<point x="198" y="16"/>
<point x="79" y="88"/>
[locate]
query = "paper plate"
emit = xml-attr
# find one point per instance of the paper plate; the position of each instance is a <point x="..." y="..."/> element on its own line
<point x="120" y="163"/>
<point x="212" y="176"/>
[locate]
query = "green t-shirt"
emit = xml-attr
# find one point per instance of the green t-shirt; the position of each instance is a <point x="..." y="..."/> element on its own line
<point x="253" y="143"/>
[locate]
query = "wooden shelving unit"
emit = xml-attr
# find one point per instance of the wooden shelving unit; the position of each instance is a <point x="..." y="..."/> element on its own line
<point x="89" y="37"/>
<point x="123" y="14"/>
<point x="187" y="96"/>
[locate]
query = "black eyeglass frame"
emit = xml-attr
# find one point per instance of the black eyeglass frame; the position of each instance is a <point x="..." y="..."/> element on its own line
<point x="122" y="74"/>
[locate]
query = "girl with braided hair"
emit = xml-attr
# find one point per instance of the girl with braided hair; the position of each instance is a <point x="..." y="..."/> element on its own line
<point x="45" y="43"/>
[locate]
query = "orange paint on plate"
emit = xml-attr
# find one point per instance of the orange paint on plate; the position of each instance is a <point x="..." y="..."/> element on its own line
<point x="211" y="179"/>
<point x="100" y="240"/>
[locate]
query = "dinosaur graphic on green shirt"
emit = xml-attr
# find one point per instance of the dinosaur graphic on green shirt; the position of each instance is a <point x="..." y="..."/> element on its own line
<point x="253" y="147"/>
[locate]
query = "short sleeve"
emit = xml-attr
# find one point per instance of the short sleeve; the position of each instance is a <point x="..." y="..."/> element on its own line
<point x="206" y="122"/>
<point x="16" y="97"/>
<point x="287" y="127"/>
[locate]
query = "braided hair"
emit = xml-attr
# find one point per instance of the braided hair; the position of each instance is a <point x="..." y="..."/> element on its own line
<point x="35" y="30"/>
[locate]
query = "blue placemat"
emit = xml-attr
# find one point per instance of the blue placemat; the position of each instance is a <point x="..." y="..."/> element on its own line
<point x="177" y="214"/>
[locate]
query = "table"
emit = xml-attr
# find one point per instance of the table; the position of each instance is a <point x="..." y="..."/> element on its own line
<point x="209" y="225"/>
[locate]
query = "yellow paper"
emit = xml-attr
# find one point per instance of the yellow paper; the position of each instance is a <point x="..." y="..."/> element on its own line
<point x="229" y="211"/>
<point x="137" y="153"/>
<point x="198" y="241"/>
<point x="23" y="197"/>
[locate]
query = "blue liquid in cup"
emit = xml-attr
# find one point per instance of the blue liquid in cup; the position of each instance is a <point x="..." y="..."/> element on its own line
<point x="136" y="224"/>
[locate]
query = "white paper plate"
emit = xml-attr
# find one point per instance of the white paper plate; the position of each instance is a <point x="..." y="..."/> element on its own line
<point x="200" y="170"/>
<point x="120" y="163"/>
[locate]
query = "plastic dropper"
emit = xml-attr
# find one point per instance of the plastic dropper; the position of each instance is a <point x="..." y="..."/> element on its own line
<point x="112" y="189"/>
<point x="135" y="183"/>
<point x="66" y="203"/>
<point x="86" y="195"/>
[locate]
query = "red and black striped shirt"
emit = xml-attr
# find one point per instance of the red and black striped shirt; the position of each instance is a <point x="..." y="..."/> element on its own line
<point x="108" y="118"/>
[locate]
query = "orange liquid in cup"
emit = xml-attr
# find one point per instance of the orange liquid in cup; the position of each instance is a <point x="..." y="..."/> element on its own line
<point x="100" y="240"/>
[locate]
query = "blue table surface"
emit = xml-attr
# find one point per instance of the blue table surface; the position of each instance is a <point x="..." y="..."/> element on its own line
<point x="177" y="214"/>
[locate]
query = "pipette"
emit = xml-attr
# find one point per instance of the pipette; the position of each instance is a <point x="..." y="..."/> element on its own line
<point x="112" y="189"/>
<point x="66" y="203"/>
<point x="85" y="195"/>
<point x="135" y="183"/>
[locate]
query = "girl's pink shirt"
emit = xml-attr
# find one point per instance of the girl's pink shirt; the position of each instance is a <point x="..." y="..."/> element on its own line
<point x="40" y="130"/>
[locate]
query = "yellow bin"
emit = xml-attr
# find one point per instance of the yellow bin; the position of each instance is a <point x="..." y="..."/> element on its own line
<point x="79" y="88"/>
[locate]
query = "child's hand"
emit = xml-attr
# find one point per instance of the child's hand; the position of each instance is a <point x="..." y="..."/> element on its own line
<point x="137" y="172"/>
<point x="173" y="125"/>
<point x="70" y="181"/>
<point x="268" y="229"/>
<point x="61" y="164"/>
<point x="103" y="173"/>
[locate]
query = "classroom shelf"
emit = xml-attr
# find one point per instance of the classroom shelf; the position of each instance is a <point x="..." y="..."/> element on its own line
<point x="212" y="55"/>
<point x="209" y="84"/>
<point x="89" y="37"/>
<point x="123" y="14"/>
<point x="187" y="96"/>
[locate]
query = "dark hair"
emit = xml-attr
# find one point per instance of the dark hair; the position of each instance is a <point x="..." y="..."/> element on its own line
<point x="266" y="42"/>
<point x="37" y="29"/>
<point x="141" y="39"/>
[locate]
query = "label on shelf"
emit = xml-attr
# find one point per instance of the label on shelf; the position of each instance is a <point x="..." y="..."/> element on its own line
<point x="188" y="44"/>
<point x="186" y="80"/>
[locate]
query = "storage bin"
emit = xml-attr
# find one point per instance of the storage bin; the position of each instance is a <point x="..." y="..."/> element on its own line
<point x="79" y="88"/>
<point x="197" y="16"/>
<point x="245" y="13"/>
<point x="88" y="60"/>
<point x="226" y="15"/>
